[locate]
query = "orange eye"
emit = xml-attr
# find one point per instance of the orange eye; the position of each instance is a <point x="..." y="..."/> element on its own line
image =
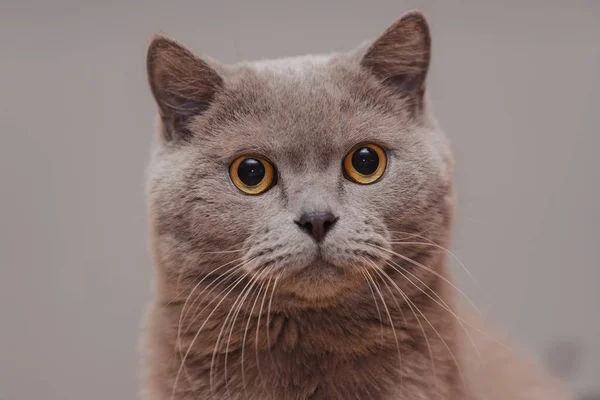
<point x="252" y="175"/>
<point x="365" y="163"/>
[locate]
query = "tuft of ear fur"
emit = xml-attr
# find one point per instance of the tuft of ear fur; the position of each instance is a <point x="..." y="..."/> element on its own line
<point x="400" y="56"/>
<point x="183" y="85"/>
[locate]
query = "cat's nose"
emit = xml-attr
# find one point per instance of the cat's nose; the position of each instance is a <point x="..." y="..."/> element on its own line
<point x="316" y="224"/>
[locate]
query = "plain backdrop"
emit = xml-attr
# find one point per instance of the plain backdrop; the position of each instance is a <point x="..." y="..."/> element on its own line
<point x="514" y="84"/>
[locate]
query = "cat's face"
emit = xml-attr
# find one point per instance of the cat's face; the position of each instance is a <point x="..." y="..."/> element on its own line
<point x="305" y="171"/>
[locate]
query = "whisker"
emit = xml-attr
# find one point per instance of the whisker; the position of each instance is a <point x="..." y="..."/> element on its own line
<point x="244" y="290"/>
<point x="183" y="313"/>
<point x="405" y="297"/>
<point x="368" y="275"/>
<point x="412" y="234"/>
<point x="240" y="279"/>
<point x="437" y="274"/>
<point x="443" y="304"/>
<point x="269" y="317"/>
<point x="214" y="284"/>
<point x="224" y="251"/>
<point x="257" y="333"/>
<point x="256" y="280"/>
<point x="442" y="339"/>
<point x="262" y="286"/>
<point x="438" y="334"/>
<point x="180" y="275"/>
<point x="434" y="244"/>
<point x="211" y="272"/>
<point x="399" y="308"/>
<point x="464" y="321"/>
<point x="195" y="316"/>
<point x="197" y="285"/>
<point x="374" y="301"/>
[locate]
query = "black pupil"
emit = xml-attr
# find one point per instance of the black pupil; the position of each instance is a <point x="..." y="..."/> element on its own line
<point x="365" y="160"/>
<point x="251" y="171"/>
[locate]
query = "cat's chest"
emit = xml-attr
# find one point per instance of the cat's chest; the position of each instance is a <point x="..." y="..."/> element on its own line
<point x="285" y="373"/>
<point x="293" y="374"/>
<point x="312" y="356"/>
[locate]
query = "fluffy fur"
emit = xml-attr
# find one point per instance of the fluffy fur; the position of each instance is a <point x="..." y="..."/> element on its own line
<point x="247" y="305"/>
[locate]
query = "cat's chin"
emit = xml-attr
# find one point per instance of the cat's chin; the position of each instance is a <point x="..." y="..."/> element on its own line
<point x="320" y="281"/>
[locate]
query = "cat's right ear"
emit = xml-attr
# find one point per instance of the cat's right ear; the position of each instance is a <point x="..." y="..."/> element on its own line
<point x="183" y="85"/>
<point x="400" y="57"/>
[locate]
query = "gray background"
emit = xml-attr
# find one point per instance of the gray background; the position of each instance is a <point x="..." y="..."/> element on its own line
<point x="515" y="85"/>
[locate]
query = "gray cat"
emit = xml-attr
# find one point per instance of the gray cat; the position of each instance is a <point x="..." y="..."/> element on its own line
<point x="300" y="211"/>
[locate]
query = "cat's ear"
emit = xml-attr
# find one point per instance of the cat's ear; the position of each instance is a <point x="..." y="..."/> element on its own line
<point x="400" y="56"/>
<point x="183" y="85"/>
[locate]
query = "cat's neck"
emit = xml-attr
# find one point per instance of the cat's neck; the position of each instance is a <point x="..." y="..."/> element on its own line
<point x="357" y="346"/>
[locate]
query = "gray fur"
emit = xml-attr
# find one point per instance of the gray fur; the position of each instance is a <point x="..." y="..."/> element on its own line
<point x="326" y="333"/>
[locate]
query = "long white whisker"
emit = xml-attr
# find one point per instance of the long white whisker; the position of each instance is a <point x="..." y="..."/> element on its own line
<point x="368" y="276"/>
<point x="244" y="290"/>
<point x="464" y="321"/>
<point x="255" y="281"/>
<point x="224" y="251"/>
<point x="399" y="308"/>
<point x="265" y="287"/>
<point x="183" y="312"/>
<point x="406" y="299"/>
<point x="269" y="317"/>
<point x="212" y="286"/>
<point x="374" y="301"/>
<point x="210" y="273"/>
<point x="434" y="244"/>
<point x="438" y="334"/>
<point x="418" y="264"/>
<point x="443" y="304"/>
<point x="240" y="279"/>
<point x="257" y="334"/>
<point x="185" y="304"/>
<point x="197" y="314"/>
<point x="412" y="234"/>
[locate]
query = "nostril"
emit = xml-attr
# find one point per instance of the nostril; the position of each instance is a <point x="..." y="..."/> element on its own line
<point x="328" y="224"/>
<point x="305" y="226"/>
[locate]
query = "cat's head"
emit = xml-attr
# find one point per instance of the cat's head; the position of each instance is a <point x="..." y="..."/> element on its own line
<point x="304" y="170"/>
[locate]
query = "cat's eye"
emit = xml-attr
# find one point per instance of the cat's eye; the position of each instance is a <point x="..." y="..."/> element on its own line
<point x="252" y="174"/>
<point x="365" y="163"/>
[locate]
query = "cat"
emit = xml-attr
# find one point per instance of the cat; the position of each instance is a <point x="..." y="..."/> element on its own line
<point x="300" y="212"/>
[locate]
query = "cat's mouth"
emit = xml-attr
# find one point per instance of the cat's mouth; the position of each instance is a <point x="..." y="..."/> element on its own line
<point x="317" y="266"/>
<point x="317" y="271"/>
<point x="320" y="265"/>
<point x="322" y="279"/>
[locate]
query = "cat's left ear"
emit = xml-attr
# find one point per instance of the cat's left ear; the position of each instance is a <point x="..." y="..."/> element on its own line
<point x="400" y="56"/>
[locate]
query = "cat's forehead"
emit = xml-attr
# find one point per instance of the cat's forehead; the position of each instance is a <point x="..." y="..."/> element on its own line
<point x="292" y="66"/>
<point x="304" y="79"/>
<point x="299" y="106"/>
